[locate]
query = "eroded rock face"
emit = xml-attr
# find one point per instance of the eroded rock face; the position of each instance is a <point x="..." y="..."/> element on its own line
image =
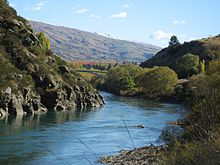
<point x="15" y="105"/>
<point x="21" y="103"/>
<point x="3" y="113"/>
<point x="68" y="98"/>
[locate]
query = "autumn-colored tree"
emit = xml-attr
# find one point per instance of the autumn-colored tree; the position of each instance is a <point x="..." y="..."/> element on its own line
<point x="44" y="41"/>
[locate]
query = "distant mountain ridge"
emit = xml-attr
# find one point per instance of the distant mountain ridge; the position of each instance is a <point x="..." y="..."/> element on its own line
<point x="73" y="44"/>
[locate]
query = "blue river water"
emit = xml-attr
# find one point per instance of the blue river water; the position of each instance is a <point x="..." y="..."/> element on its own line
<point x="80" y="137"/>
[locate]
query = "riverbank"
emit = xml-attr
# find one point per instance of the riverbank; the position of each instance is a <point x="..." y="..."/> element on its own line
<point x="138" y="156"/>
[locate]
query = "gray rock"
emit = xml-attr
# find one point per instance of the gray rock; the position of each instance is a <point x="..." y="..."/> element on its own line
<point x="6" y="95"/>
<point x="38" y="106"/>
<point x="59" y="107"/>
<point x="15" y="105"/>
<point x="3" y="113"/>
<point x="34" y="38"/>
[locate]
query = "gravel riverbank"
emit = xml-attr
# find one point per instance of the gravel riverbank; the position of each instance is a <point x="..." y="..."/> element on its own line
<point x="147" y="155"/>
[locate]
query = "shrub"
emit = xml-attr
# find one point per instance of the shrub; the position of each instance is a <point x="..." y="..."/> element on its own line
<point x="187" y="65"/>
<point x="159" y="82"/>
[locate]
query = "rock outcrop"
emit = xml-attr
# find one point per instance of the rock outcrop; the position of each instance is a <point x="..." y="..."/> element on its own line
<point x="20" y="104"/>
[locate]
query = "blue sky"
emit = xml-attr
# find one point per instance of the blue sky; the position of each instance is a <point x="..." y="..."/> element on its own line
<point x="150" y="21"/>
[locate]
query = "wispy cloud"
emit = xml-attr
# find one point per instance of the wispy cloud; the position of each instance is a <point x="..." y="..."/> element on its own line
<point x="161" y="35"/>
<point x="164" y="37"/>
<point x="119" y="15"/>
<point x="81" y="11"/>
<point x="179" y="22"/>
<point x="39" y="6"/>
<point x="94" y="16"/>
<point x="12" y="5"/>
<point x="126" y="6"/>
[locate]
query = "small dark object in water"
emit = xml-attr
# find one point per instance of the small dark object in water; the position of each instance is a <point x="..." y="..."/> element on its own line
<point x="140" y="126"/>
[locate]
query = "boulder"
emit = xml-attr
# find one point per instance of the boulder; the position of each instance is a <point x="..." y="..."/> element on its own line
<point x="28" y="42"/>
<point x="3" y="113"/>
<point x="5" y="98"/>
<point x="64" y="69"/>
<point x="38" y="107"/>
<point x="15" y="105"/>
<point x="48" y="81"/>
<point x="59" y="107"/>
<point x="34" y="38"/>
<point x="6" y="95"/>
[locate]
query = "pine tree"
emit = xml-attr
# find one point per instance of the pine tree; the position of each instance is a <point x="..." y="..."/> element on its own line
<point x="174" y="41"/>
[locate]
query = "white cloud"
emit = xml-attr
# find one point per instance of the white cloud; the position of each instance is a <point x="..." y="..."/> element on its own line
<point x="161" y="35"/>
<point x="126" y="6"/>
<point x="39" y="6"/>
<point x="162" y="38"/>
<point x="119" y="15"/>
<point x="81" y="11"/>
<point x="191" y="38"/>
<point x="185" y="37"/>
<point x="94" y="16"/>
<point x="179" y="22"/>
<point x="42" y="3"/>
<point x="12" y="5"/>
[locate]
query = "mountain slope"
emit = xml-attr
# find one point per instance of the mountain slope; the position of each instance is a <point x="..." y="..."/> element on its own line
<point x="73" y="44"/>
<point x="33" y="79"/>
<point x="206" y="49"/>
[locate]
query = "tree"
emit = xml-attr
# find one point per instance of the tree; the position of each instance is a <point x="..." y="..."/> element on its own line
<point x="126" y="83"/>
<point x="114" y="76"/>
<point x="132" y="69"/>
<point x="122" y="78"/>
<point x="44" y="41"/>
<point x="174" y="41"/>
<point x="202" y="66"/>
<point x="159" y="82"/>
<point x="187" y="65"/>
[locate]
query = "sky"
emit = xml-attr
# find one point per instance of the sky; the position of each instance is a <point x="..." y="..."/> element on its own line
<point x="149" y="21"/>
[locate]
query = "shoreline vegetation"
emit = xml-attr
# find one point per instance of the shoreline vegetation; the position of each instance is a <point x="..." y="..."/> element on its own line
<point x="198" y="88"/>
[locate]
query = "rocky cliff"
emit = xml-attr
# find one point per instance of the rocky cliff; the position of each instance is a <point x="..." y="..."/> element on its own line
<point x="32" y="78"/>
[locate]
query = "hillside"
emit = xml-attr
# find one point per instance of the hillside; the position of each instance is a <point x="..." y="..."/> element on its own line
<point x="33" y="79"/>
<point x="73" y="44"/>
<point x="206" y="49"/>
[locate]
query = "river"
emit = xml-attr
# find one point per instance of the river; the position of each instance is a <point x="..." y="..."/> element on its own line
<point x="80" y="137"/>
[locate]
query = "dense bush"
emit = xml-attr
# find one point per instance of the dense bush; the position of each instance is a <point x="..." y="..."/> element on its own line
<point x="187" y="65"/>
<point x="133" y="80"/>
<point x="114" y="76"/>
<point x="200" y="142"/>
<point x="44" y="41"/>
<point x="158" y="82"/>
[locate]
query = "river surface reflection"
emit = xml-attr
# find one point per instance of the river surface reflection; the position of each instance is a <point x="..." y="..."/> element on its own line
<point x="81" y="136"/>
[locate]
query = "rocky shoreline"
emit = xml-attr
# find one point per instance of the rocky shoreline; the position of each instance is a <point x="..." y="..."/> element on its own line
<point x="147" y="155"/>
<point x="25" y="103"/>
